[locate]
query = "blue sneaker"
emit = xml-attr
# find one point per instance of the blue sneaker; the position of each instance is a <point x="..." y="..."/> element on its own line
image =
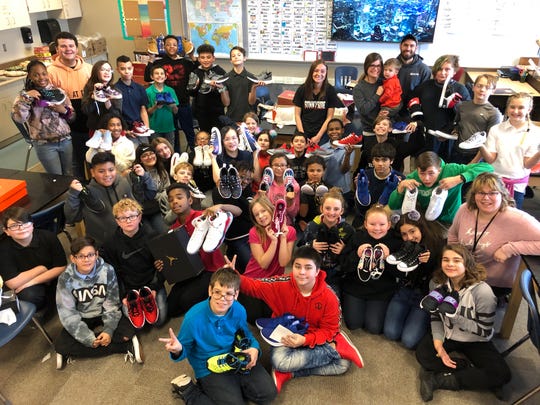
<point x="267" y="179"/>
<point x="284" y="319"/>
<point x="362" y="190"/>
<point x="390" y="185"/>
<point x="249" y="141"/>
<point x="299" y="326"/>
<point x="288" y="178"/>
<point x="215" y="141"/>
<point x="399" y="127"/>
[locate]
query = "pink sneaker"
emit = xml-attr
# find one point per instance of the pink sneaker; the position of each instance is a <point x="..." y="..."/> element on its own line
<point x="279" y="216"/>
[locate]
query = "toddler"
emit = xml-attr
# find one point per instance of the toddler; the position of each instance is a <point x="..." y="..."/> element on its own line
<point x="390" y="100"/>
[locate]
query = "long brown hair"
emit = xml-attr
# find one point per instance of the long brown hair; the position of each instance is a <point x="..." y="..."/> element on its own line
<point x="94" y="78"/>
<point x="474" y="272"/>
<point x="308" y="84"/>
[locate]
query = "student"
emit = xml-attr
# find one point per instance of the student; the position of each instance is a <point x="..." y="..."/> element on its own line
<point x="32" y="259"/>
<point x="312" y="192"/>
<point x="299" y="145"/>
<point x="323" y="349"/>
<point x="314" y="103"/>
<point x="213" y="329"/>
<point x="47" y="112"/>
<point x="390" y="99"/>
<point x="183" y="173"/>
<point x="134" y="99"/>
<point x="88" y="307"/>
<point x="265" y="142"/>
<point x="70" y="72"/>
<point x="141" y="287"/>
<point x="431" y="174"/>
<point x="210" y="94"/>
<point x="93" y="203"/>
<point x="164" y="150"/>
<point x="162" y="105"/>
<point x="201" y="159"/>
<point x="251" y="121"/>
<point x="230" y="152"/>
<point x="369" y="283"/>
<point x="328" y="233"/>
<point x="468" y="330"/>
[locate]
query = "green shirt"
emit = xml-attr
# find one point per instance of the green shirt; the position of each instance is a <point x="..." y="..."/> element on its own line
<point x="162" y="120"/>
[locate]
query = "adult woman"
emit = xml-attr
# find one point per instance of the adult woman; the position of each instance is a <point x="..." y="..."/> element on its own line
<point x="494" y="231"/>
<point x="512" y="146"/>
<point x="468" y="330"/>
<point x="315" y="101"/>
<point x="366" y="96"/>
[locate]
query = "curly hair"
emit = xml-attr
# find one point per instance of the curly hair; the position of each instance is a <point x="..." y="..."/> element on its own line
<point x="474" y="272"/>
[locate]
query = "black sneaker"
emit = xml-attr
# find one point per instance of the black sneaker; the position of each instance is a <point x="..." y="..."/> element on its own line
<point x="182" y="384"/>
<point x="333" y="236"/>
<point x="234" y="182"/>
<point x="395" y="258"/>
<point x="265" y="77"/>
<point x="411" y="261"/>
<point x="241" y="341"/>
<point x="52" y="96"/>
<point x="224" y="187"/>
<point x="322" y="234"/>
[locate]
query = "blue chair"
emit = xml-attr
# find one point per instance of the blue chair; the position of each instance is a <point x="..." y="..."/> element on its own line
<point x="51" y="219"/>
<point x="343" y="75"/>
<point x="23" y="129"/>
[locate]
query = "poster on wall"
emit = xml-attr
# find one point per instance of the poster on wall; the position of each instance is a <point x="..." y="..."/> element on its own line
<point x="144" y="18"/>
<point x="218" y="23"/>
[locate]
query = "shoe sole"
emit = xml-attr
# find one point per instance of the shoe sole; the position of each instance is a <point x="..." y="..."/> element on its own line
<point x="268" y="81"/>
<point x="356" y="146"/>
<point x="467" y="145"/>
<point x="138" y="350"/>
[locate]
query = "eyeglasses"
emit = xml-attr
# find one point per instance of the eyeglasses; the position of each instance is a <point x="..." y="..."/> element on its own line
<point x="278" y="165"/>
<point x="106" y="70"/>
<point x="85" y="257"/>
<point x="147" y="155"/>
<point x="489" y="194"/>
<point x="229" y="296"/>
<point x="128" y="218"/>
<point x="18" y="226"/>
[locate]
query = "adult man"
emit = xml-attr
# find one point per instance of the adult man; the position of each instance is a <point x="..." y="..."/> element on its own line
<point x="70" y="72"/>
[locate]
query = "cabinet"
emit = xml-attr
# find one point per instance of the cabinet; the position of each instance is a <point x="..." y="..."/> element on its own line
<point x="36" y="6"/>
<point x="70" y="9"/>
<point x="9" y="89"/>
<point x="13" y="14"/>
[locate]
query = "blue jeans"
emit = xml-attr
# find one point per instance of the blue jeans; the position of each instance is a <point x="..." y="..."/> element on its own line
<point x="443" y="148"/>
<point x="405" y="319"/>
<point x="161" y="301"/>
<point x="184" y="118"/>
<point x="303" y="361"/>
<point x="56" y="157"/>
<point x="519" y="197"/>
<point x="240" y="248"/>
<point x="362" y="313"/>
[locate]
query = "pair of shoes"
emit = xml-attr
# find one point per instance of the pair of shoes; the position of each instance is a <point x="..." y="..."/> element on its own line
<point x="142" y="307"/>
<point x="406" y="259"/>
<point x="475" y="141"/>
<point x="135" y="351"/>
<point x="112" y="93"/>
<point x="247" y="140"/>
<point x="440" y="134"/>
<point x="315" y="189"/>
<point x="436" y="204"/>
<point x="229" y="182"/>
<point x="215" y="141"/>
<point x="280" y="378"/>
<point x="265" y="77"/>
<point x="362" y="191"/>
<point x="176" y="158"/>
<point x="195" y="192"/>
<point x="100" y="140"/>
<point x="52" y="96"/>
<point x="279" y="217"/>
<point x="209" y="232"/>
<point x="139" y="129"/>
<point x="371" y="264"/>
<point x="390" y="185"/>
<point x="352" y="140"/>
<point x="202" y="156"/>
<point x="442" y="301"/>
<point x="267" y="179"/>
<point x="181" y="384"/>
<point x="223" y="363"/>
<point x="164" y="98"/>
<point x="347" y="350"/>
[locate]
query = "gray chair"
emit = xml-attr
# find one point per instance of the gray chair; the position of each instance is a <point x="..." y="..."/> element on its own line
<point x="23" y="129"/>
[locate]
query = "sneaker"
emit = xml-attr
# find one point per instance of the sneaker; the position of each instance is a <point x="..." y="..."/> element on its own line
<point x="298" y="326"/>
<point x="112" y="93"/>
<point x="449" y="304"/>
<point x="475" y="141"/>
<point x="136" y="350"/>
<point x="390" y="185"/>
<point x="200" y="225"/>
<point x="377" y="260"/>
<point x="320" y="190"/>
<point x="215" y="140"/>
<point x="241" y="341"/>
<point x="233" y="179"/>
<point x="195" y="192"/>
<point x="451" y="101"/>
<point x="139" y="129"/>
<point x="411" y="261"/>
<point x="399" y="128"/>
<point x="219" y="223"/>
<point x="207" y="155"/>
<point x="288" y="179"/>
<point x="198" y="159"/>
<point x="193" y="80"/>
<point x="61" y="361"/>
<point x="285" y="319"/>
<point x="436" y="204"/>
<point x="308" y="189"/>
<point x="95" y="140"/>
<point x="364" y="265"/>
<point x="431" y="302"/>
<point x="280" y="378"/>
<point x="347" y="350"/>
<point x="409" y="201"/>
<point x="152" y="46"/>
<point x="181" y="384"/>
<point x="267" y="179"/>
<point x="224" y="188"/>
<point x="223" y="363"/>
<point x="135" y="310"/>
<point x="214" y="77"/>
<point x="362" y="191"/>
<point x="351" y="140"/>
<point x="168" y="98"/>
<point x="106" y="141"/>
<point x="249" y="141"/>
<point x="397" y="257"/>
<point x="149" y="305"/>
<point x="279" y="216"/>
<point x="160" y="98"/>
<point x="265" y="77"/>
<point x="289" y="152"/>
<point x="52" y="96"/>
<point x="99" y="95"/>
<point x="440" y="134"/>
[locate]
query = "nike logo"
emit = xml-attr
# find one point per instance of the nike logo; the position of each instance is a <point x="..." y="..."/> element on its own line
<point x="126" y="256"/>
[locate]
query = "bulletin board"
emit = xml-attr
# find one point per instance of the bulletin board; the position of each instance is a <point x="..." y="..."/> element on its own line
<point x="144" y="18"/>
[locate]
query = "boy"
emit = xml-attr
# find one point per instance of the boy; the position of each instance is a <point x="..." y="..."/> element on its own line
<point x="201" y="159"/>
<point x="323" y="349"/>
<point x="134" y="98"/>
<point x="433" y="174"/>
<point x="162" y="105"/>
<point x="88" y="308"/>
<point x="141" y="286"/>
<point x="183" y="173"/>
<point x="390" y="100"/>
<point x="94" y="202"/>
<point x="209" y="99"/>
<point x="312" y="191"/>
<point x="32" y="259"/>
<point x="214" y="329"/>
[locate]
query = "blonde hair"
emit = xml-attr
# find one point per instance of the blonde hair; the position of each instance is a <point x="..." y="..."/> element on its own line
<point x="336" y="194"/>
<point x="126" y="204"/>
<point x="265" y="202"/>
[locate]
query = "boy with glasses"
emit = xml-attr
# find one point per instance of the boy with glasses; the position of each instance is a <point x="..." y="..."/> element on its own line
<point x="32" y="259"/>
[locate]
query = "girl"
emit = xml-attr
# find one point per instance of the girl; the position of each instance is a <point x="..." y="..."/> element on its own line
<point x="315" y="102"/>
<point x="252" y="123"/>
<point x="230" y="152"/>
<point x="122" y="148"/>
<point x="47" y="120"/>
<point x="98" y="95"/>
<point x="266" y="142"/>
<point x="512" y="146"/>
<point x="328" y="234"/>
<point x="367" y="287"/>
<point x="469" y="330"/>
<point x="405" y="320"/>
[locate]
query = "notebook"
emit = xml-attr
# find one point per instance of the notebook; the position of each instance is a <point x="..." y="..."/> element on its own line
<point x="178" y="264"/>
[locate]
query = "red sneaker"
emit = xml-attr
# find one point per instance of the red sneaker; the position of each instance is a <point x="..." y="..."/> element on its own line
<point x="352" y="140"/>
<point x="280" y="378"/>
<point x="347" y="350"/>
<point x="135" y="310"/>
<point x="279" y="215"/>
<point x="149" y="305"/>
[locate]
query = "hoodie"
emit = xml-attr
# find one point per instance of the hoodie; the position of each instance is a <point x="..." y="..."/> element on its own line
<point x="411" y="75"/>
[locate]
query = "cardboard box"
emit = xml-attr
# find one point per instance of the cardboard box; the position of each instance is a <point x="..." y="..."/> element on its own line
<point x="86" y="50"/>
<point x="99" y="45"/>
<point x="11" y="191"/>
<point x="286" y="97"/>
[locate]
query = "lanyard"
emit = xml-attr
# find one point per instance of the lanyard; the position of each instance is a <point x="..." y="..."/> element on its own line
<point x="476" y="229"/>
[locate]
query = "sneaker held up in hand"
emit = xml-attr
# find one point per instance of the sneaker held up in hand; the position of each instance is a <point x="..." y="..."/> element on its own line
<point x="218" y="224"/>
<point x="265" y="77"/>
<point x="475" y="141"/>
<point x="351" y="140"/>
<point x="215" y="140"/>
<point x="362" y="189"/>
<point x="436" y="204"/>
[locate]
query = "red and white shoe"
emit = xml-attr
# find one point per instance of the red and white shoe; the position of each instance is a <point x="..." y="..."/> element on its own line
<point x="149" y="305"/>
<point x="347" y="350"/>
<point x="196" y="239"/>
<point x="280" y="378"/>
<point x="279" y="216"/>
<point x="218" y="224"/>
<point x="139" y="129"/>
<point x="351" y="140"/>
<point x="135" y="310"/>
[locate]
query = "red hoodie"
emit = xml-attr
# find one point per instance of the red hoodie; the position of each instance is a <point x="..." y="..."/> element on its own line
<point x="321" y="309"/>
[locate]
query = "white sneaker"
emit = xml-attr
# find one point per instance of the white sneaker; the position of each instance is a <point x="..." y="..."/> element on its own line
<point x="175" y="159"/>
<point x="106" y="142"/>
<point x="137" y="350"/>
<point x="218" y="226"/>
<point x="436" y="204"/>
<point x="475" y="141"/>
<point x="195" y="192"/>
<point x="409" y="201"/>
<point x="196" y="240"/>
<point x="198" y="159"/>
<point x="95" y="141"/>
<point x="207" y="157"/>
<point x="440" y="134"/>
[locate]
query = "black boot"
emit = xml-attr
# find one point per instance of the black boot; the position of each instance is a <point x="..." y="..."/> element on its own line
<point x="430" y="381"/>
